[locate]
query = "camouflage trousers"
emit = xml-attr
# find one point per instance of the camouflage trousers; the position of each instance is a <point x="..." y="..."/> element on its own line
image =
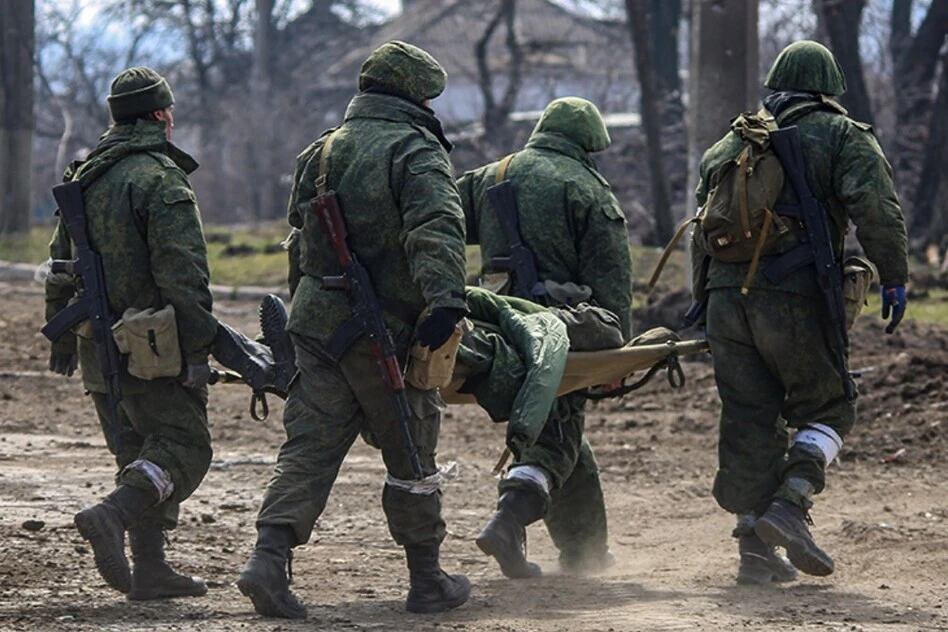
<point x="576" y="510"/>
<point x="774" y="370"/>
<point x="329" y="405"/>
<point x="165" y="423"/>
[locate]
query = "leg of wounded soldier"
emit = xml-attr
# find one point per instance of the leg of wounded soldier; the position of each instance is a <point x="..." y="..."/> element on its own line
<point x="576" y="519"/>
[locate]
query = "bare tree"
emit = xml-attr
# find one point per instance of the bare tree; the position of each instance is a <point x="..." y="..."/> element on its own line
<point x="929" y="220"/>
<point x="915" y="58"/>
<point x="842" y="20"/>
<point x="496" y="111"/>
<point x="651" y="121"/>
<point x="17" y="42"/>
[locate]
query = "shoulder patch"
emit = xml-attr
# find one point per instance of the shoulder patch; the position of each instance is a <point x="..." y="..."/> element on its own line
<point x="611" y="210"/>
<point x="178" y="195"/>
<point x="426" y="161"/>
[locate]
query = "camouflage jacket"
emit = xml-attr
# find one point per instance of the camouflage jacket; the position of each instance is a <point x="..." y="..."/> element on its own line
<point x="393" y="179"/>
<point x="847" y="172"/>
<point x="143" y="220"/>
<point x="569" y="220"/>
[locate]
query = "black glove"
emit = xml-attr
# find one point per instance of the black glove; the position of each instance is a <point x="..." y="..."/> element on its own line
<point x="435" y="330"/>
<point x="63" y="363"/>
<point x="197" y="375"/>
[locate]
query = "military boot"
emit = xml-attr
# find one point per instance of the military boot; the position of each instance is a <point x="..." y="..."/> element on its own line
<point x="505" y="536"/>
<point x="152" y="577"/>
<point x="104" y="526"/>
<point x="785" y="524"/>
<point x="264" y="579"/>
<point x="762" y="564"/>
<point x="273" y="319"/>
<point x="431" y="589"/>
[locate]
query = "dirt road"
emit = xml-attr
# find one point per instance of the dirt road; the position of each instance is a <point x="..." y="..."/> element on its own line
<point x="885" y="523"/>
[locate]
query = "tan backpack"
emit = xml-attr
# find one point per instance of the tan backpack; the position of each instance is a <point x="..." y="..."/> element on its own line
<point x="737" y="222"/>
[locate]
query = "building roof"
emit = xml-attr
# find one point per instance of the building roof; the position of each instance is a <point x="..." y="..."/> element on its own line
<point x="554" y="41"/>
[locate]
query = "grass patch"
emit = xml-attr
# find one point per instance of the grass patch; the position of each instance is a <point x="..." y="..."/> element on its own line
<point x="33" y="247"/>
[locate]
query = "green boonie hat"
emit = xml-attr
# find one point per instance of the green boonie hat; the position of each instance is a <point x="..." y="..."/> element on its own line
<point x="807" y="66"/>
<point x="403" y="70"/>
<point x="578" y="120"/>
<point x="138" y="91"/>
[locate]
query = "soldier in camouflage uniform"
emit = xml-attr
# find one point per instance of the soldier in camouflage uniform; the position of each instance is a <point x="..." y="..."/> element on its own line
<point x="389" y="167"/>
<point x="572" y="223"/>
<point x="144" y="221"/>
<point x="773" y="364"/>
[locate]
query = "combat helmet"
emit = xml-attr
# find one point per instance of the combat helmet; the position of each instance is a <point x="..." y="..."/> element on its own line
<point x="403" y="70"/>
<point x="807" y="66"/>
<point x="578" y="120"/>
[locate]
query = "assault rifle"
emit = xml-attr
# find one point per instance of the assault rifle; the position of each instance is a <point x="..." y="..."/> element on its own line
<point x="366" y="311"/>
<point x="526" y="282"/>
<point x="786" y="144"/>
<point x="93" y="302"/>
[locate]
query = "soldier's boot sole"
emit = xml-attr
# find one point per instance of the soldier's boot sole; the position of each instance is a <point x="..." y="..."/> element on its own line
<point x="154" y="582"/>
<point x="451" y="592"/>
<point x="269" y="602"/>
<point x="778" y="529"/>
<point x="103" y="529"/>
<point x="502" y="539"/>
<point x="273" y="319"/>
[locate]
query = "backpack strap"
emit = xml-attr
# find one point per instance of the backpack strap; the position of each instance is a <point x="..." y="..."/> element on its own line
<point x="321" y="179"/>
<point x="502" y="168"/>
<point x="668" y="249"/>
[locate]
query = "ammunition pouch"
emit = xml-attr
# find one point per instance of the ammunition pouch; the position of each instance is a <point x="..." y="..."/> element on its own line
<point x="858" y="275"/>
<point x="429" y="369"/>
<point x="150" y="339"/>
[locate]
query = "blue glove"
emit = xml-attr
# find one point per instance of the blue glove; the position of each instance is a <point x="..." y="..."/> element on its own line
<point x="893" y="298"/>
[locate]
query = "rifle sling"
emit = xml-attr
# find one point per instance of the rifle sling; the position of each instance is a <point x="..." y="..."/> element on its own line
<point x="502" y="168"/>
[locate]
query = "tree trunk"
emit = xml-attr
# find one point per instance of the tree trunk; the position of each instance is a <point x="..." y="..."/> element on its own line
<point x="929" y="221"/>
<point x="651" y="121"/>
<point x="17" y="43"/>
<point x="497" y="112"/>
<point x="841" y="19"/>
<point x="724" y="77"/>
<point x="915" y="61"/>
<point x="260" y="147"/>
<point x="664" y="19"/>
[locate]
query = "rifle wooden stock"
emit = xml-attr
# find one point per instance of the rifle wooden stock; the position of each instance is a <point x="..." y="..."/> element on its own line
<point x="365" y="306"/>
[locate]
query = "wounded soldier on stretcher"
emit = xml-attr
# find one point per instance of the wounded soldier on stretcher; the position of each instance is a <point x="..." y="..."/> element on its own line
<point x="515" y="357"/>
<point x="519" y="356"/>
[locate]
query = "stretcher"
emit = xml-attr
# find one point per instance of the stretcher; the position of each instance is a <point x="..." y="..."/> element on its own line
<point x="601" y="374"/>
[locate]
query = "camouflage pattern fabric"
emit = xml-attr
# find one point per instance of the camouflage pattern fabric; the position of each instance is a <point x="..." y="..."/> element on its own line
<point x="327" y="408"/>
<point x="762" y="377"/>
<point x="573" y="225"/>
<point x="144" y="222"/>
<point x="772" y="358"/>
<point x="390" y="170"/>
<point x="847" y="171"/>
<point x="393" y="179"/>
<point x="403" y="70"/>
<point x="166" y="424"/>
<point x="807" y="66"/>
